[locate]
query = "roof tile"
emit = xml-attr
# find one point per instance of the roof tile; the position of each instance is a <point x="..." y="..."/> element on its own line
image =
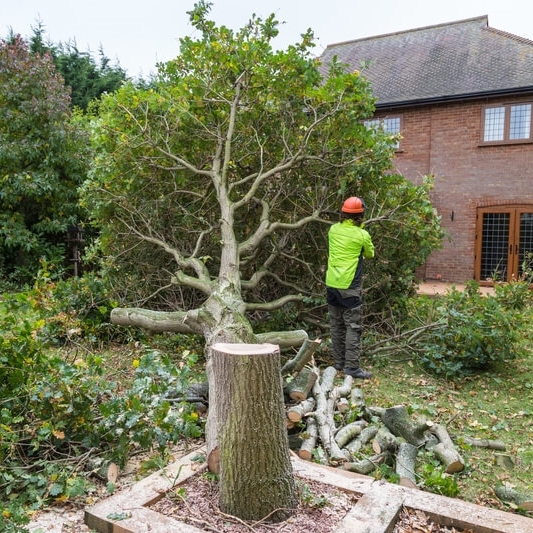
<point x="460" y="58"/>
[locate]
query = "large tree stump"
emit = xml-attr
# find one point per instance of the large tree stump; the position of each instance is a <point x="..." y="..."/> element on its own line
<point x="256" y="478"/>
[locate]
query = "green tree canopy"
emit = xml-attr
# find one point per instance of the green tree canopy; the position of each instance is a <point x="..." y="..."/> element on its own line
<point x="225" y="175"/>
<point x="87" y="78"/>
<point x="43" y="159"/>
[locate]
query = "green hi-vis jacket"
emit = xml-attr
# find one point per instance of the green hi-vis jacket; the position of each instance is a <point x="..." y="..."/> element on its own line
<point x="347" y="243"/>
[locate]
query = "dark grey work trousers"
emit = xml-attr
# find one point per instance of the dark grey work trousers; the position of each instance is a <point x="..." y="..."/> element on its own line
<point x="346" y="325"/>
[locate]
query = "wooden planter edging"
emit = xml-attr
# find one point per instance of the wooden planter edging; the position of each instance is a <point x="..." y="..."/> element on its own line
<point x="375" y="512"/>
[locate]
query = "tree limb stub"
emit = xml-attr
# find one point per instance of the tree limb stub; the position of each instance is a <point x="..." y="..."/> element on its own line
<point x="157" y="321"/>
<point x="304" y="356"/>
<point x="284" y="339"/>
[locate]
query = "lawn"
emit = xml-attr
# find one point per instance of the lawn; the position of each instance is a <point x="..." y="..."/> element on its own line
<point x="496" y="405"/>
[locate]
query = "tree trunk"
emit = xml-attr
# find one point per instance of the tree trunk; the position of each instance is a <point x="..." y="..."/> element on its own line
<point x="256" y="479"/>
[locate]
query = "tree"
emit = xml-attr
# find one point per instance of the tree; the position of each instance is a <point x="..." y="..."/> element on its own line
<point x="43" y="160"/>
<point x="86" y="78"/>
<point x="233" y="165"/>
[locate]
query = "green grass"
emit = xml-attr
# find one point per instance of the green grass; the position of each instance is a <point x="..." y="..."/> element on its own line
<point x="495" y="405"/>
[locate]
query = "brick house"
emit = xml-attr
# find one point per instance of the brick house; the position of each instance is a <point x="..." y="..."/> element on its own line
<point x="461" y="96"/>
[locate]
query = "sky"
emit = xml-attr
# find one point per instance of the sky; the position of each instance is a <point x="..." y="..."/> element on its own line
<point x="137" y="34"/>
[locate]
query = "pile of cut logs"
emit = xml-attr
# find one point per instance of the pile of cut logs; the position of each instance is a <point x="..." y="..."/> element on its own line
<point x="315" y="404"/>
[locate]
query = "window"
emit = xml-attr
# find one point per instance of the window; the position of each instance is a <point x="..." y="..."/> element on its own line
<point x="389" y="125"/>
<point x="507" y="123"/>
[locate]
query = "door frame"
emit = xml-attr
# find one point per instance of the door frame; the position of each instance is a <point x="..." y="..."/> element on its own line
<point x="513" y="251"/>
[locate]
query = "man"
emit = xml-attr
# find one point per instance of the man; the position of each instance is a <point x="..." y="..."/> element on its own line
<point x="348" y="244"/>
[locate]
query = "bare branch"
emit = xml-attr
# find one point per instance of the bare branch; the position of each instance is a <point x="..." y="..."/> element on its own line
<point x="275" y="304"/>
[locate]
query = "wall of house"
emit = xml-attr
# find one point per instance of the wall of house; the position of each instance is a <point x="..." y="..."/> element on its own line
<point x="444" y="140"/>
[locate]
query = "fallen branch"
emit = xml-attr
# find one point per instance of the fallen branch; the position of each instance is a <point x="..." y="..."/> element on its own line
<point x="509" y="494"/>
<point x="484" y="443"/>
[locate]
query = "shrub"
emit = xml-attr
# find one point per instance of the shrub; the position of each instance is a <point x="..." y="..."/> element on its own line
<point x="475" y="332"/>
<point x="57" y="415"/>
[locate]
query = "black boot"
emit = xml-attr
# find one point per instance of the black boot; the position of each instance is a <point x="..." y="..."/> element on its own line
<point x="357" y="373"/>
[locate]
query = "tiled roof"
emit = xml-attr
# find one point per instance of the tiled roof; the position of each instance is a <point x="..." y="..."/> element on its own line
<point x="447" y="61"/>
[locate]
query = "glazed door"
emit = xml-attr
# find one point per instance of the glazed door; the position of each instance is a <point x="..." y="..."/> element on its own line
<point x="504" y="242"/>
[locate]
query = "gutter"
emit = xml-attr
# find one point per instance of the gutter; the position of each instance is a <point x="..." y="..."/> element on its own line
<point x="517" y="91"/>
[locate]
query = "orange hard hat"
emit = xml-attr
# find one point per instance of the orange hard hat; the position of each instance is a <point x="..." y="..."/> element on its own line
<point x="354" y="204"/>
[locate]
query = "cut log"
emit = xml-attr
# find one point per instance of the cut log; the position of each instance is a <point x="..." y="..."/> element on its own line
<point x="485" y="443"/>
<point x="450" y="458"/>
<point x="504" y="460"/>
<point x="365" y="466"/>
<point x="324" y="418"/>
<point x="357" y="401"/>
<point x="309" y="442"/>
<point x="295" y="413"/>
<point x="400" y="424"/>
<point x="385" y="441"/>
<point x="104" y="470"/>
<point x="338" y="392"/>
<point x="509" y="494"/>
<point x="328" y="379"/>
<point x="349" y="432"/>
<point x="304" y="356"/>
<point x="445" y="450"/>
<point x="300" y="386"/>
<point x="343" y="405"/>
<point x="367" y="434"/>
<point x="405" y="464"/>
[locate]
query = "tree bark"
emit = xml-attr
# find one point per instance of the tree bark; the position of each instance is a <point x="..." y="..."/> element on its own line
<point x="400" y="424"/>
<point x="256" y="479"/>
<point x="405" y="464"/>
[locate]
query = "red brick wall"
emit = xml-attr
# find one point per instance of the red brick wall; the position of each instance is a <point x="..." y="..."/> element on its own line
<point x="444" y="140"/>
